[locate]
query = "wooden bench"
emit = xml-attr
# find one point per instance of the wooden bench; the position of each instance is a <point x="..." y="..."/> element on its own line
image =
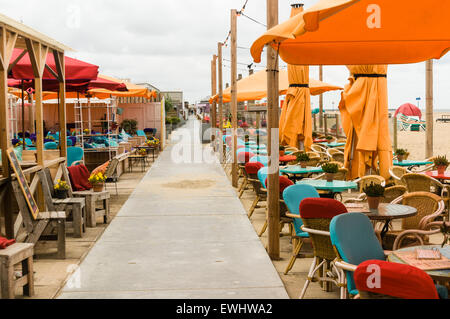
<point x="444" y="118"/>
<point x="92" y="198"/>
<point x="9" y="257"/>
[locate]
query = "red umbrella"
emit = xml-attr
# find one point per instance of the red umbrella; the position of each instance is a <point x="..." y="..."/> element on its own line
<point x="75" y="69"/>
<point x="409" y="109"/>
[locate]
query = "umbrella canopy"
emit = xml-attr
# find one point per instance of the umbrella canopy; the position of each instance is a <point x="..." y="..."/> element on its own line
<point x="409" y="109"/>
<point x="133" y="90"/>
<point x="364" y="32"/>
<point x="254" y="87"/>
<point x="74" y="69"/>
<point x="295" y="119"/>
<point x="365" y="120"/>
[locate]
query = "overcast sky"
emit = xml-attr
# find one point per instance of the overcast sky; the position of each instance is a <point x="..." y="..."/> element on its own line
<point x="170" y="43"/>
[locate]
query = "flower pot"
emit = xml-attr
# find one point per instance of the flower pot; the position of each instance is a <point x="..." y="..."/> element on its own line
<point x="373" y="202"/>
<point x="400" y="158"/>
<point x="98" y="187"/>
<point x="61" y="193"/>
<point x="441" y="169"/>
<point x="282" y="153"/>
<point x="329" y="177"/>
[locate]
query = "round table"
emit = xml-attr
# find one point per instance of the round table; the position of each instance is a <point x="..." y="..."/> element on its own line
<point x="333" y="187"/>
<point x="331" y="145"/>
<point x="287" y="158"/>
<point x="385" y="212"/>
<point x="298" y="170"/>
<point x="434" y="174"/>
<point x="441" y="275"/>
<point x="411" y="163"/>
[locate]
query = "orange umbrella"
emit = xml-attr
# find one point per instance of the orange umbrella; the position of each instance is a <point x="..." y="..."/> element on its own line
<point x="254" y="87"/>
<point x="365" y="32"/>
<point x="365" y="118"/>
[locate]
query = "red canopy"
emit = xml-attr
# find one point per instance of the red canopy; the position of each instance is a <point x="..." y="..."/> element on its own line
<point x="409" y="109"/>
<point x="75" y="69"/>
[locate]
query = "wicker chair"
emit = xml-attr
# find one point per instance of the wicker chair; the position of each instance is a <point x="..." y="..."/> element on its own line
<point x="318" y="148"/>
<point x="429" y="206"/>
<point x="316" y="214"/>
<point x="363" y="182"/>
<point x="341" y="140"/>
<point x="243" y="158"/>
<point x="392" y="193"/>
<point x="397" y="173"/>
<point x="260" y="192"/>
<point x="423" y="183"/>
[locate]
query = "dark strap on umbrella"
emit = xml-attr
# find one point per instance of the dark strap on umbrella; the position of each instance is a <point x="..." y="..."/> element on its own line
<point x="299" y="85"/>
<point x="356" y="76"/>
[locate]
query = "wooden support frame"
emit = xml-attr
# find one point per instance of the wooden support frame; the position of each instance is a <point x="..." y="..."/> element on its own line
<point x="233" y="53"/>
<point x="213" y="93"/>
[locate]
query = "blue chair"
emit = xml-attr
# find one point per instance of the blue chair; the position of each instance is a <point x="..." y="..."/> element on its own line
<point x="293" y="196"/>
<point x="74" y="155"/>
<point x="50" y="146"/>
<point x="262" y="159"/>
<point x="355" y="241"/>
<point x="262" y="173"/>
<point x="28" y="141"/>
<point x="140" y="133"/>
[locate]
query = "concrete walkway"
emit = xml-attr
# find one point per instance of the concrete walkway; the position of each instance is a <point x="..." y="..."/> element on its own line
<point x="183" y="233"/>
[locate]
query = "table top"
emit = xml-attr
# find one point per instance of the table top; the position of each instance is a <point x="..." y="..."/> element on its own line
<point x="261" y="146"/>
<point x="250" y="143"/>
<point x="288" y="158"/>
<point x="435" y="174"/>
<point x="439" y="275"/>
<point x="297" y="169"/>
<point x="411" y="163"/>
<point x="320" y="140"/>
<point x="384" y="212"/>
<point x="334" y="186"/>
<point x="332" y="144"/>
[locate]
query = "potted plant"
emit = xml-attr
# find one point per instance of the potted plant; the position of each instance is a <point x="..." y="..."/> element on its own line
<point x="330" y="169"/>
<point x="315" y="135"/>
<point x="329" y="138"/>
<point x="374" y="193"/>
<point x="303" y="159"/>
<point x="61" y="189"/>
<point x="441" y="164"/>
<point x="142" y="152"/>
<point x="401" y="154"/>
<point x="282" y="150"/>
<point x="97" y="181"/>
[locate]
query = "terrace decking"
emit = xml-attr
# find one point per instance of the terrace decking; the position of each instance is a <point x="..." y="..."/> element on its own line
<point x="183" y="233"/>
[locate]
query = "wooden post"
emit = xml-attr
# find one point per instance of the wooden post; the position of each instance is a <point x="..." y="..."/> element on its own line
<point x="273" y="193"/>
<point x="60" y="68"/>
<point x="321" y="99"/>
<point x="213" y="93"/>
<point x="429" y="108"/>
<point x="233" y="54"/>
<point x="325" y="125"/>
<point x="220" y="88"/>
<point x="337" y="125"/>
<point x="31" y="125"/>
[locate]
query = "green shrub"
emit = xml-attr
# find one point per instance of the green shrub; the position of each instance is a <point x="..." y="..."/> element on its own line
<point x="303" y="157"/>
<point x="374" y="190"/>
<point x="330" y="168"/>
<point x="401" y="151"/>
<point x="130" y="126"/>
<point x="440" y="161"/>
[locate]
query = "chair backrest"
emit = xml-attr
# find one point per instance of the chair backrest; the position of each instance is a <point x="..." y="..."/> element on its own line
<point x="367" y="180"/>
<point x="111" y="169"/>
<point x="141" y="133"/>
<point x="316" y="214"/>
<point x="244" y="157"/>
<point x="354" y="238"/>
<point x="74" y="154"/>
<point x="427" y="204"/>
<point x="417" y="182"/>
<point x="293" y="196"/>
<point x="397" y="173"/>
<point x="50" y="146"/>
<point x="393" y="192"/>
<point x="262" y="159"/>
<point x="395" y="280"/>
<point x="284" y="183"/>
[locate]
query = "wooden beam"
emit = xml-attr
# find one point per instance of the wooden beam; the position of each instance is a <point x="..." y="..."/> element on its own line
<point x="220" y="89"/>
<point x="60" y="68"/>
<point x="233" y="54"/>
<point x="429" y="108"/>
<point x="213" y="93"/>
<point x="273" y="184"/>
<point x="13" y="64"/>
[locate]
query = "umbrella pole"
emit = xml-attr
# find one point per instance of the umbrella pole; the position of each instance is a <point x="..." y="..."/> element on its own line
<point x="320" y="101"/>
<point x="233" y="53"/>
<point x="429" y="108"/>
<point x="220" y="83"/>
<point x="273" y="184"/>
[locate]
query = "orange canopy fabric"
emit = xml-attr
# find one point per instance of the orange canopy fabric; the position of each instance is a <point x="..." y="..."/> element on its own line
<point x="298" y="24"/>
<point x="254" y="87"/>
<point x="365" y="120"/>
<point x="371" y="32"/>
<point x="295" y="119"/>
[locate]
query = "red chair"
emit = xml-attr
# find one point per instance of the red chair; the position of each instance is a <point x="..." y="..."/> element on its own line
<point x="284" y="183"/>
<point x="378" y="279"/>
<point x="316" y="215"/>
<point x="251" y="169"/>
<point x="243" y="158"/>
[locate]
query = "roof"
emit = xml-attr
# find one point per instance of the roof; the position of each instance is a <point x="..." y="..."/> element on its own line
<point x="24" y="30"/>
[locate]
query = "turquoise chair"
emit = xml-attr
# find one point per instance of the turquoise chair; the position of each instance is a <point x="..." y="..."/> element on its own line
<point x="262" y="159"/>
<point x="354" y="238"/>
<point x="292" y="196"/>
<point x="50" y="146"/>
<point x="28" y="141"/>
<point x="74" y="155"/>
<point x="141" y="133"/>
<point x="262" y="173"/>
